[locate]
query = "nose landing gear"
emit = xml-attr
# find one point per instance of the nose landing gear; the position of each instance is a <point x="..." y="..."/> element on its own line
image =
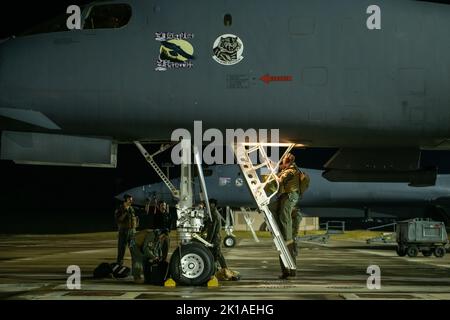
<point x="192" y="264"/>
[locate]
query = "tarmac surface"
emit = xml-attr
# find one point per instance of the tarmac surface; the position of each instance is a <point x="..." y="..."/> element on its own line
<point x="34" y="267"/>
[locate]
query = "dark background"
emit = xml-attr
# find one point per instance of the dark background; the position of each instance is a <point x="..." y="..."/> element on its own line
<point x="35" y="199"/>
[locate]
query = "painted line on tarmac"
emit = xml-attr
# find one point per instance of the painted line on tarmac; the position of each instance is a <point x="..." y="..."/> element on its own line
<point x="391" y="255"/>
<point x="377" y="253"/>
<point x="317" y="243"/>
<point x="47" y="256"/>
<point x="89" y="251"/>
<point x="350" y="296"/>
<point x="18" y="287"/>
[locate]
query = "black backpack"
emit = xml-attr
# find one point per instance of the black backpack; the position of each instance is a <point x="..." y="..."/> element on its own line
<point x="155" y="274"/>
<point x="103" y="270"/>
<point x="120" y="272"/>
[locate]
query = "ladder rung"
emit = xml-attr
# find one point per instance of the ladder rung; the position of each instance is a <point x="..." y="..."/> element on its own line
<point x="161" y="174"/>
<point x="252" y="149"/>
<point x="259" y="166"/>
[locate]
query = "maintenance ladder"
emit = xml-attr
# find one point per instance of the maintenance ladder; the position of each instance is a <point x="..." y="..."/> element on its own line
<point x="244" y="153"/>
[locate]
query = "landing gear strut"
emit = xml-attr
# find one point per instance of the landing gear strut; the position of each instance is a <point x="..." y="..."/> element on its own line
<point x="230" y="238"/>
<point x="192" y="262"/>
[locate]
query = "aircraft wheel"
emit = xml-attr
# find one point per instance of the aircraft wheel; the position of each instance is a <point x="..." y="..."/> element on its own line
<point x="401" y="251"/>
<point x="439" y="252"/>
<point x="412" y="251"/>
<point x="229" y="241"/>
<point x="192" y="264"/>
<point x="427" y="253"/>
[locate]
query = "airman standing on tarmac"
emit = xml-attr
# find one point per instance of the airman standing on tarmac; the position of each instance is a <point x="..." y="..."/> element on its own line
<point x="127" y="223"/>
<point x="162" y="217"/>
<point x="288" y="196"/>
<point x="296" y="220"/>
<point x="213" y="228"/>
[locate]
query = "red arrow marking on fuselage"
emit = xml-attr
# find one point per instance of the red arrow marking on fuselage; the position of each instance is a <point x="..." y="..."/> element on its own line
<point x="268" y="78"/>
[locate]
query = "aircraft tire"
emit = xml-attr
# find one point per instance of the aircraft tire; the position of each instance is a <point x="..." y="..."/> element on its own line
<point x="401" y="251"/>
<point x="229" y="241"/>
<point x="412" y="251"/>
<point x="439" y="252"/>
<point x="192" y="264"/>
<point x="427" y="253"/>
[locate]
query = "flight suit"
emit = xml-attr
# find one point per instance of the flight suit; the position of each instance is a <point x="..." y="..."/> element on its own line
<point x="149" y="247"/>
<point x="127" y="223"/>
<point x="162" y="220"/>
<point x="296" y="220"/>
<point x="213" y="236"/>
<point x="289" y="195"/>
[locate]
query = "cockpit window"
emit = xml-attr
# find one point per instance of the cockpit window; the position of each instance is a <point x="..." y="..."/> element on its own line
<point x="108" y="16"/>
<point x="105" y="16"/>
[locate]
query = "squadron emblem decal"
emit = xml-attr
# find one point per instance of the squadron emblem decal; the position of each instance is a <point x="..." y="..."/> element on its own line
<point x="228" y="50"/>
<point x="175" y="51"/>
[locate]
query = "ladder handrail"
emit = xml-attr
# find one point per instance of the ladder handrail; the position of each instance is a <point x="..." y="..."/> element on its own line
<point x="382" y="226"/>
<point x="149" y="158"/>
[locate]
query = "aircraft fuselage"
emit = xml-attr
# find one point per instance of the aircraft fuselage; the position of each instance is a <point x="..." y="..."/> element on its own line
<point x="347" y="85"/>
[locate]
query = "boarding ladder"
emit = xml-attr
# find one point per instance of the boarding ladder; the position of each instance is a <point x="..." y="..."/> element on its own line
<point x="150" y="159"/>
<point x="244" y="153"/>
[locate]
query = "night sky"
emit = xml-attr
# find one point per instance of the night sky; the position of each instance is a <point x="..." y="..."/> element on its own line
<point x="40" y="199"/>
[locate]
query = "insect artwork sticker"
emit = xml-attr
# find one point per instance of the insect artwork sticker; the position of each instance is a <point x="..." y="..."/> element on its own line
<point x="228" y="50"/>
<point x="175" y="51"/>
